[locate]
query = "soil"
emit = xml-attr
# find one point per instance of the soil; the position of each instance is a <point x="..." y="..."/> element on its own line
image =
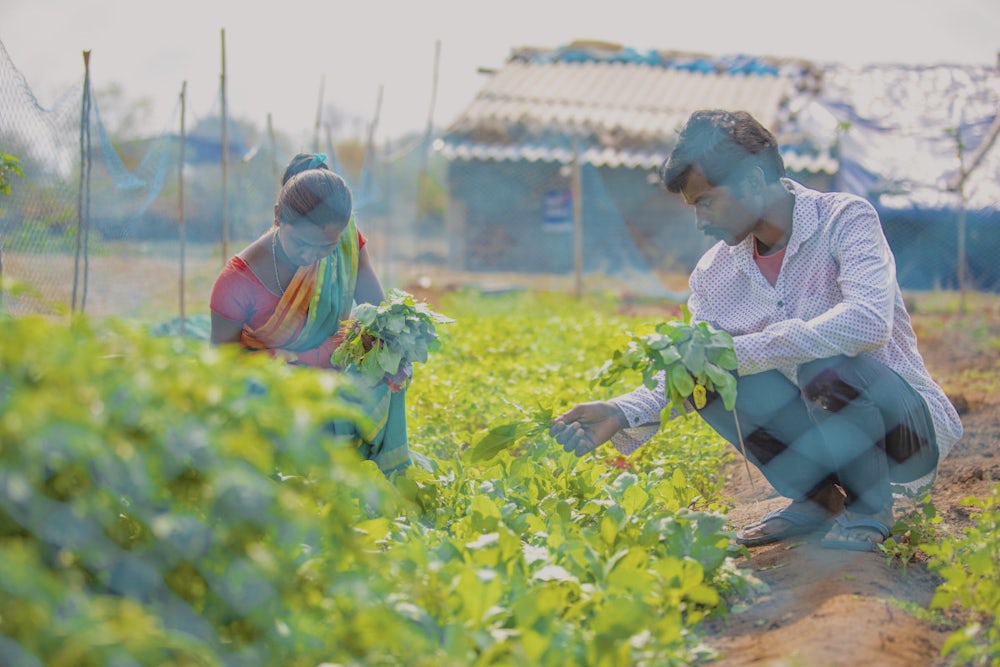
<point x="825" y="607"/>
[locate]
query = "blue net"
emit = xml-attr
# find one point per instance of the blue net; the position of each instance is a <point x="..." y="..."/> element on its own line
<point x="93" y="223"/>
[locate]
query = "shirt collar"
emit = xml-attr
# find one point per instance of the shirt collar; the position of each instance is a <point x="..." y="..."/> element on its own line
<point x="805" y="221"/>
<point x="805" y="213"/>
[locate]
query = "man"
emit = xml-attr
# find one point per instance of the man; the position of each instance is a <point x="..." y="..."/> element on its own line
<point x="833" y="399"/>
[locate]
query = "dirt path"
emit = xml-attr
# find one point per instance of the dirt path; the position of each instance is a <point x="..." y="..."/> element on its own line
<point x="832" y="608"/>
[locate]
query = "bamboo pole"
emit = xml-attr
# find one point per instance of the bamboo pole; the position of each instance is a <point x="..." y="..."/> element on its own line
<point x="225" y="157"/>
<point x="962" y="279"/>
<point x="428" y="132"/>
<point x="330" y="147"/>
<point x="425" y="146"/>
<point x="960" y="189"/>
<point x="82" y="211"/>
<point x="86" y="206"/>
<point x="367" y="170"/>
<point x="275" y="176"/>
<point x="319" y="113"/>
<point x="181" y="226"/>
<point x="387" y="235"/>
<point x="370" y="144"/>
<point x="577" y="188"/>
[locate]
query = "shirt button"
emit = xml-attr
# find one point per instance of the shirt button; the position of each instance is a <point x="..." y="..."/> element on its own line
<point x="781" y="304"/>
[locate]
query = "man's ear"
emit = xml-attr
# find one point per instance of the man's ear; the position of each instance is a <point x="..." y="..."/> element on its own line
<point x="753" y="182"/>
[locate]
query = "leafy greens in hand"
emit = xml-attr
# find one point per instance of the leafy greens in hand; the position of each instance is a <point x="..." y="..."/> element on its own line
<point x="695" y="359"/>
<point x="378" y="340"/>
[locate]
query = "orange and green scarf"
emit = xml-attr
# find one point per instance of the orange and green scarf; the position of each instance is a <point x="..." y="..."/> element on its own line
<point x="317" y="299"/>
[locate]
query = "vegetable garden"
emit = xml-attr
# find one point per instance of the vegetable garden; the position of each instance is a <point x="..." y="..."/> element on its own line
<point x="167" y="503"/>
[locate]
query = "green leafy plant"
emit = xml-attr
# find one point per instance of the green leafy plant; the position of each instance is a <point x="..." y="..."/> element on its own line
<point x="379" y="339"/>
<point x="695" y="359"/>
<point x="168" y="503"/>
<point x="163" y="502"/>
<point x="912" y="532"/>
<point x="968" y="565"/>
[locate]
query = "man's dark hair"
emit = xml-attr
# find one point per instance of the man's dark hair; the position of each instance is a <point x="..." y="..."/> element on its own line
<point x="723" y="146"/>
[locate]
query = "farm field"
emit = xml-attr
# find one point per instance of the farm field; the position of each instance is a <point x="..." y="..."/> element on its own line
<point x="815" y="598"/>
<point x="533" y="557"/>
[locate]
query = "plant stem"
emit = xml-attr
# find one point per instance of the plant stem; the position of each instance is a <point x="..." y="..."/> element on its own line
<point x="743" y="450"/>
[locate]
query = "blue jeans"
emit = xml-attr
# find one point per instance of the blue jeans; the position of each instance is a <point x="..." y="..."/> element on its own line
<point x="850" y="421"/>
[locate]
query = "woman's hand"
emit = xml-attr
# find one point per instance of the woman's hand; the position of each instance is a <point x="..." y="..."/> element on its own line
<point x="400" y="378"/>
<point x="587" y="426"/>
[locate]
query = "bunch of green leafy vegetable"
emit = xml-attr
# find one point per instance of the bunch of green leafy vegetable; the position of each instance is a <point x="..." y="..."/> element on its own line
<point x="694" y="358"/>
<point x="378" y="340"/>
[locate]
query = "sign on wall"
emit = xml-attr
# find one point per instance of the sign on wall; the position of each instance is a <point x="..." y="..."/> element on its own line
<point x="557" y="210"/>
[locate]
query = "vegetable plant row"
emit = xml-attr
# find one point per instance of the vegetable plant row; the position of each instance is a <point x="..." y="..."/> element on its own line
<point x="166" y="503"/>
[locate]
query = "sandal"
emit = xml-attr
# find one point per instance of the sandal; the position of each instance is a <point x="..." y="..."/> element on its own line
<point x="856" y="532"/>
<point x="797" y="523"/>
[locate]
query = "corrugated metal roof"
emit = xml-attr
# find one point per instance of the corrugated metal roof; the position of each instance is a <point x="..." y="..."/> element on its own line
<point x="641" y="99"/>
<point x="623" y="113"/>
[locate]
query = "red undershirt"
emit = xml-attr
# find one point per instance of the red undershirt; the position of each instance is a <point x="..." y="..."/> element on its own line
<point x="769" y="265"/>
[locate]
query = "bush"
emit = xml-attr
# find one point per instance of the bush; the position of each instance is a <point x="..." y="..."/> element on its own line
<point x="163" y="502"/>
<point x="174" y="504"/>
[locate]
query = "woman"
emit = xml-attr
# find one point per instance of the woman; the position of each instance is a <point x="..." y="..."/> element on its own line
<point x="287" y="292"/>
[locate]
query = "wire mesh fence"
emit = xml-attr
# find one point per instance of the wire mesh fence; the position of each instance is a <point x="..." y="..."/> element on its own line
<point x="93" y="224"/>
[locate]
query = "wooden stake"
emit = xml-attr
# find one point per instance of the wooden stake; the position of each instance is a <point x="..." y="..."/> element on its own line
<point x="577" y="188"/>
<point x="180" y="212"/>
<point x="319" y="113"/>
<point x="428" y="132"/>
<point x="275" y="176"/>
<point x="83" y="198"/>
<point x="225" y="157"/>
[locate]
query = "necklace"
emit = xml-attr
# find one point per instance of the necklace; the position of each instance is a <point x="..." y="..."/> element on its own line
<point x="274" y="259"/>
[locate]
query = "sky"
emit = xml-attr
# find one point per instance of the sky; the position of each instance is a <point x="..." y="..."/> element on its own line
<point x="280" y="55"/>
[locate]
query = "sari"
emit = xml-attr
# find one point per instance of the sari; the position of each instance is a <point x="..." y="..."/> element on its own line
<point x="310" y="311"/>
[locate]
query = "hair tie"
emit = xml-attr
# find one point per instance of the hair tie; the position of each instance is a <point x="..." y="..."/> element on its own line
<point x="318" y="159"/>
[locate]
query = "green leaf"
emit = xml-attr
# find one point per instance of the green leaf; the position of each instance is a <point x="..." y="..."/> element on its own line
<point x="727" y="390"/>
<point x="395" y="324"/>
<point x="388" y="359"/>
<point x="365" y="314"/>
<point x="694" y="356"/>
<point x="496" y="440"/>
<point x="634" y="499"/>
<point x="681" y="380"/>
<point x="727" y="359"/>
<point x="669" y="355"/>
